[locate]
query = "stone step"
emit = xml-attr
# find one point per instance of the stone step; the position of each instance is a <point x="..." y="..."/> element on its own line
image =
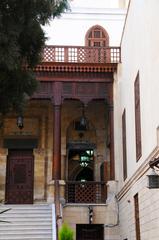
<point x="27" y="226"/>
<point x="26" y="222"/>
<point x="26" y="206"/>
<point x="28" y="237"/>
<point x="27" y="214"/>
<point x="26" y="231"/>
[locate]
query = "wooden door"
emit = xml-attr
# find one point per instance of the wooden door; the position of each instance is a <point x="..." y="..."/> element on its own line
<point x="19" y="177"/>
<point x="89" y="232"/>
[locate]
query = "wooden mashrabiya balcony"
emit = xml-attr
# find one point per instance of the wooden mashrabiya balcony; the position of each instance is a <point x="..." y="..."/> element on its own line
<point x="79" y="59"/>
<point x="81" y="54"/>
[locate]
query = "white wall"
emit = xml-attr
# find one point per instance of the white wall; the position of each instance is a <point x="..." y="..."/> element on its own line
<point x="71" y="27"/>
<point x="139" y="50"/>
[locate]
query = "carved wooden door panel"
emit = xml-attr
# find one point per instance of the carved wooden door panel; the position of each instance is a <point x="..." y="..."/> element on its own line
<point x="19" y="177"/>
<point x="89" y="232"/>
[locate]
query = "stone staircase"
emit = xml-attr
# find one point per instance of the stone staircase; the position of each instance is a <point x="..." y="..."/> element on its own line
<point x="28" y="222"/>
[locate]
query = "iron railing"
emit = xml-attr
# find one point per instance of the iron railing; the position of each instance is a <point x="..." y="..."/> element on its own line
<point x="80" y="54"/>
<point x="86" y="192"/>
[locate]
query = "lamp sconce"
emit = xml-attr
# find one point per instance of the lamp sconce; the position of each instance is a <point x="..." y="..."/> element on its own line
<point x="153" y="177"/>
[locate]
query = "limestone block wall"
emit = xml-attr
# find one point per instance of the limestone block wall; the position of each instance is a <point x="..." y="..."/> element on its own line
<point x="39" y="175"/>
<point x="35" y="126"/>
<point x="3" y="159"/>
<point x="101" y="215"/>
<point x="106" y="214"/>
<point x="148" y="209"/>
<point x="38" y="124"/>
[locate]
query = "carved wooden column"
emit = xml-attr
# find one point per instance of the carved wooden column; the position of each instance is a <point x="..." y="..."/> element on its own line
<point x="56" y="171"/>
<point x="112" y="164"/>
<point x="111" y="125"/>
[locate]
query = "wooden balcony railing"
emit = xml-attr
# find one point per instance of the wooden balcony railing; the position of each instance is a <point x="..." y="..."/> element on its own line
<point x="86" y="192"/>
<point x="79" y="54"/>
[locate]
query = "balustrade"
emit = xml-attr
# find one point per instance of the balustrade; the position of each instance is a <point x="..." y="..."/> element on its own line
<point x="86" y="192"/>
<point x="80" y="54"/>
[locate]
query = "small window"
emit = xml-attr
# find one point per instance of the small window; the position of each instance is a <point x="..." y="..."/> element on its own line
<point x="97" y="36"/>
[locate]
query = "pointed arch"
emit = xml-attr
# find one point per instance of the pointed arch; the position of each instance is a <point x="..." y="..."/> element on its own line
<point x="97" y="36"/>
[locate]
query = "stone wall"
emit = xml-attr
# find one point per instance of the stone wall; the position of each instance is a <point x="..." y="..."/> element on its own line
<point x="38" y="124"/>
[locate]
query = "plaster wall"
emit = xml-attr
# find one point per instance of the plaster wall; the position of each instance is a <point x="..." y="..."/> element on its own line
<point x="139" y="49"/>
<point x="71" y="27"/>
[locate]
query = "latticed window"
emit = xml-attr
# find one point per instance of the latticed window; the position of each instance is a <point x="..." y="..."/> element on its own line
<point x="97" y="37"/>
<point x="137" y="117"/>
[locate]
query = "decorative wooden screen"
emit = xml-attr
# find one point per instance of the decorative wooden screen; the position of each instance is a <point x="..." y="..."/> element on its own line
<point x="86" y="192"/>
<point x="137" y="217"/>
<point x="124" y="145"/>
<point x="137" y="117"/>
<point x="78" y="54"/>
<point x="97" y="36"/>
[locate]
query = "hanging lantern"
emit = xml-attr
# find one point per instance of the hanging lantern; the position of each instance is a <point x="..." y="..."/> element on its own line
<point x="20" y="123"/>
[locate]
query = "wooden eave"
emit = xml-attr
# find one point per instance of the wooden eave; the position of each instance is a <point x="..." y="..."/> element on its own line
<point x="75" y="72"/>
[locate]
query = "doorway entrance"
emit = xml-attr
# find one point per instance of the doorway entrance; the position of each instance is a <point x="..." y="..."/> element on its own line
<point x="20" y="177"/>
<point x="89" y="232"/>
<point x="80" y="164"/>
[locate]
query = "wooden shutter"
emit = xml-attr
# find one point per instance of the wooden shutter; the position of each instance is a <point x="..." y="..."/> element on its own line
<point x="137" y="117"/>
<point x="124" y="145"/>
<point x="137" y="217"/>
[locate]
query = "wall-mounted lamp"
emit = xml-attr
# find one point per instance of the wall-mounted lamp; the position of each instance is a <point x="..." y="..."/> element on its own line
<point x="153" y="177"/>
<point x="20" y="123"/>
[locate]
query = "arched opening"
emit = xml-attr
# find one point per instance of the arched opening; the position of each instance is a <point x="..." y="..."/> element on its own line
<point x="81" y="162"/>
<point x="86" y="144"/>
<point x="86" y="174"/>
<point x="81" y="145"/>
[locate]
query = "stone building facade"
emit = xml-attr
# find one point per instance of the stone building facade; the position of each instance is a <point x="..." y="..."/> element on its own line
<point x="90" y="138"/>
